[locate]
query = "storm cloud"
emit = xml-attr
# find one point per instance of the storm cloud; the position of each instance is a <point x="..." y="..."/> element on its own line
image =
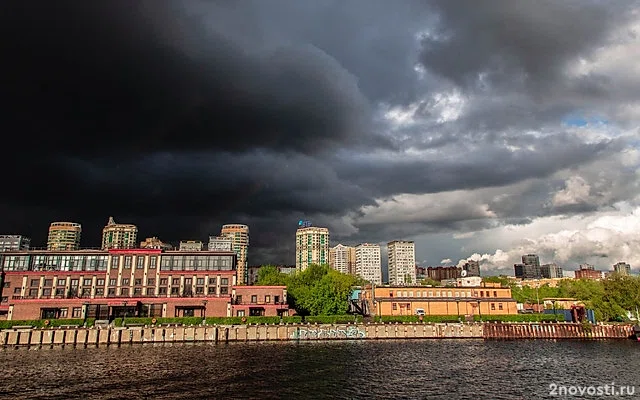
<point x="380" y="120"/>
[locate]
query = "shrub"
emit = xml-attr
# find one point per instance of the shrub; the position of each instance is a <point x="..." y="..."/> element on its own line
<point x="332" y="319"/>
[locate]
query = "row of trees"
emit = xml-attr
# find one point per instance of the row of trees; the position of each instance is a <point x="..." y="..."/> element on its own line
<point x="611" y="298"/>
<point x="318" y="290"/>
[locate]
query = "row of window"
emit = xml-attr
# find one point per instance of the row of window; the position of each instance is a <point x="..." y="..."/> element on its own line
<point x="137" y="291"/>
<point x="450" y="293"/>
<point x="125" y="281"/>
<point x="99" y="262"/>
<point x="408" y="306"/>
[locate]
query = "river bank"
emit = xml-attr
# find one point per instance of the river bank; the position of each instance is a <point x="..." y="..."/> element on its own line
<point x="279" y="332"/>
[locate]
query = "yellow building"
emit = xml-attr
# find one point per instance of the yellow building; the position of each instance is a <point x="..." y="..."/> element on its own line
<point x="119" y="236"/>
<point x="423" y="300"/>
<point x="239" y="234"/>
<point x="64" y="236"/>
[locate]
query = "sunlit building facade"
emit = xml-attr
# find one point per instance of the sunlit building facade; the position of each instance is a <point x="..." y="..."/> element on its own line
<point x="312" y="247"/>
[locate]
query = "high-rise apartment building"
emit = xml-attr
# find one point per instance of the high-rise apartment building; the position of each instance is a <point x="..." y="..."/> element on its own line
<point x="622" y="268"/>
<point x="530" y="267"/>
<point x="190" y="245"/>
<point x="64" y="236"/>
<point x="220" y="243"/>
<point x="402" y="262"/>
<point x="14" y="242"/>
<point x="239" y="234"/>
<point x="368" y="263"/>
<point x="343" y="259"/>
<point x="119" y="236"/>
<point x="312" y="247"/>
<point x="531" y="259"/>
<point x="550" y="271"/>
<point x="588" y="271"/>
<point x="472" y="267"/>
<point x="155" y="243"/>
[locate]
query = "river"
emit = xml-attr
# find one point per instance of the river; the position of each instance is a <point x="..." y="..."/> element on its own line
<point x="411" y="369"/>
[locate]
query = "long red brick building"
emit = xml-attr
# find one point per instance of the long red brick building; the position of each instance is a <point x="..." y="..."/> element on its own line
<point x="107" y="284"/>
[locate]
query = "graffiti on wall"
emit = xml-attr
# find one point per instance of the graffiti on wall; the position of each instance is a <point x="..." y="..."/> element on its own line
<point x="347" y="333"/>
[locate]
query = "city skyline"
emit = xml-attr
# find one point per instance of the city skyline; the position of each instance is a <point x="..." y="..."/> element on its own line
<point x="439" y="125"/>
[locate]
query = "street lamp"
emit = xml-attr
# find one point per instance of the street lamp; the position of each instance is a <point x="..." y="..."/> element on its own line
<point x="204" y="312"/>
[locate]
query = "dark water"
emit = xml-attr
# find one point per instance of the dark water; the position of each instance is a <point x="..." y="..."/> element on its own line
<point x="427" y="369"/>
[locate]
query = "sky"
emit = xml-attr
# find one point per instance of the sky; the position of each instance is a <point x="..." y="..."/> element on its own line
<point x="481" y="130"/>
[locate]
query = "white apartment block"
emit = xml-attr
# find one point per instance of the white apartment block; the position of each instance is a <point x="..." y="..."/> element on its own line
<point x="342" y="258"/>
<point x="402" y="262"/>
<point x="368" y="264"/>
<point x="312" y="247"/>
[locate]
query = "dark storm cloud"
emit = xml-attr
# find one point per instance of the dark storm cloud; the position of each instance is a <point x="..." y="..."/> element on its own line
<point x="182" y="116"/>
<point x="100" y="77"/>
<point x="515" y="42"/>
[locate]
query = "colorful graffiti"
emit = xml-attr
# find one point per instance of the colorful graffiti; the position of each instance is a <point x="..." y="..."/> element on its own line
<point x="348" y="333"/>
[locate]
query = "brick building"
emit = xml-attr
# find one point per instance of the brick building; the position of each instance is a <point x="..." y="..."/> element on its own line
<point x="106" y="284"/>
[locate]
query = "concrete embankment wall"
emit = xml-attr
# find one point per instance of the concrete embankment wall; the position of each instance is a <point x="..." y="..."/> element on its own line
<point x="235" y="333"/>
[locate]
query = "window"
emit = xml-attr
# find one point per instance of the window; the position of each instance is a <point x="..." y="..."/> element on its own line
<point x="457" y="294"/>
<point x="100" y="282"/>
<point x="174" y="290"/>
<point x="395" y="306"/>
<point x="33" y="292"/>
<point x="35" y="282"/>
<point x="137" y="291"/>
<point x="140" y="262"/>
<point x="390" y="294"/>
<point x="151" y="282"/>
<point x="100" y="291"/>
<point x="200" y="281"/>
<point x="5" y="299"/>
<point x="112" y="282"/>
<point x="481" y="293"/>
<point x="124" y="291"/>
<point x="199" y="290"/>
<point x="60" y="292"/>
<point x="87" y="282"/>
<point x="224" y="281"/>
<point x="137" y="282"/>
<point x="153" y="262"/>
<point x="7" y="285"/>
<point x="212" y="289"/>
<point x="224" y="290"/>
<point x="127" y="262"/>
<point x="411" y="294"/>
<point x="162" y="290"/>
<point x="175" y="281"/>
<point x="240" y="313"/>
<point x="254" y="298"/>
<point x="424" y="294"/>
<point x="48" y="282"/>
<point x="499" y="306"/>
<point x="111" y="292"/>
<point x="75" y="282"/>
<point x="125" y="281"/>
<point x="213" y="281"/>
<point x="449" y="293"/>
<point x="46" y="292"/>
<point x="62" y="282"/>
<point x="495" y="294"/>
<point x="150" y="291"/>
<point x="493" y="306"/>
<point x="164" y="281"/>
<point x="408" y="306"/>
<point x="276" y="299"/>
<point x="115" y="261"/>
<point x="77" y="312"/>
<point x="17" y="290"/>
<point x="187" y="281"/>
<point x="267" y="299"/>
<point x="430" y="293"/>
<point x="63" y="312"/>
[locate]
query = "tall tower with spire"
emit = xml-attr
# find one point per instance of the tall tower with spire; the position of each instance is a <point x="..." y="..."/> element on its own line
<point x="119" y="236"/>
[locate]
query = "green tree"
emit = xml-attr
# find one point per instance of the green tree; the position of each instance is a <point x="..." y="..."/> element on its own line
<point x="269" y="275"/>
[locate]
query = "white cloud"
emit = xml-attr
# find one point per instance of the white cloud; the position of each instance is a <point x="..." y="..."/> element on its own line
<point x="576" y="191"/>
